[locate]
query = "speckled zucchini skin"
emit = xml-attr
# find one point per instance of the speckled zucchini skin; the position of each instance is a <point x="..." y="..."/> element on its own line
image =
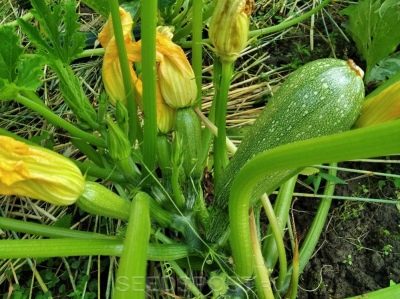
<point x="321" y="98"/>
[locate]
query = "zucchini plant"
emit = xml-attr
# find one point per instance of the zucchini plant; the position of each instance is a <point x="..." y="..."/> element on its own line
<point x="143" y="161"/>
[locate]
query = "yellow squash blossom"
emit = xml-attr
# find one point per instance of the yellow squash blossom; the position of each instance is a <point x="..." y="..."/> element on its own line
<point x="165" y="114"/>
<point x="229" y="27"/>
<point x="112" y="74"/>
<point x="111" y="70"/>
<point x="381" y="105"/>
<point x="38" y="173"/>
<point x="175" y="74"/>
<point x="107" y="33"/>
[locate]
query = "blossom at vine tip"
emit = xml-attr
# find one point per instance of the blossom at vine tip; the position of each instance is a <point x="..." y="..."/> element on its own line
<point x="38" y="173"/>
<point x="165" y="114"/>
<point x="107" y="33"/>
<point x="177" y="81"/>
<point x="111" y="70"/>
<point x="229" y="28"/>
<point x="175" y="74"/>
<point x="112" y="74"/>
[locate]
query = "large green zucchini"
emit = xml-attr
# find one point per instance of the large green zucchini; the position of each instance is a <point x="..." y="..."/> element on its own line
<point x="321" y="98"/>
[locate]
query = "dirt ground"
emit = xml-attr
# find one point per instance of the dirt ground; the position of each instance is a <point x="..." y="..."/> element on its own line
<point x="360" y="248"/>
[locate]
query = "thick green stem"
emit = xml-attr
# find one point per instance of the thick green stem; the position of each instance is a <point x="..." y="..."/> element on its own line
<point x="286" y="24"/>
<point x="197" y="55"/>
<point x="46" y="248"/>
<point x="281" y="210"/>
<point x="59" y="122"/>
<point x="125" y="69"/>
<point x="276" y="231"/>
<point x="360" y="143"/>
<point x="263" y="283"/>
<point x="164" y="155"/>
<point x="26" y="17"/>
<point x="294" y="283"/>
<point x="131" y="275"/>
<point x="149" y="22"/>
<point x="207" y="135"/>
<point x="185" y="31"/>
<point x="88" y="151"/>
<point x="308" y="246"/>
<point x="186" y="280"/>
<point x="179" y="198"/>
<point x="220" y="155"/>
<point x="314" y="233"/>
<point x="91" y="169"/>
<point x="276" y="28"/>
<point x="91" y="53"/>
<point x="47" y="230"/>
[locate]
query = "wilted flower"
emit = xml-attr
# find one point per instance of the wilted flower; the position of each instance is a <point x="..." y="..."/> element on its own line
<point x="165" y="114"/>
<point x="107" y="33"/>
<point x="177" y="81"/>
<point x="111" y="70"/>
<point x="175" y="74"/>
<point x="229" y="27"/>
<point x="38" y="173"/>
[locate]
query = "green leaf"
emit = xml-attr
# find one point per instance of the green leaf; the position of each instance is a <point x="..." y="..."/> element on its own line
<point x="59" y="22"/>
<point x="385" y="69"/>
<point x="332" y="178"/>
<point x="73" y="93"/>
<point x="8" y="90"/>
<point x="99" y="6"/>
<point x="309" y="171"/>
<point x="10" y="50"/>
<point x="73" y="41"/>
<point x="29" y="72"/>
<point x="373" y="25"/>
<point x="16" y="70"/>
<point x="34" y="36"/>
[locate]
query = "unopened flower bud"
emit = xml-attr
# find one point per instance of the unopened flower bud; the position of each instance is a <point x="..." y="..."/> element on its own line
<point x="229" y="27"/>
<point x="177" y="80"/>
<point x="38" y="173"/>
<point x="118" y="143"/>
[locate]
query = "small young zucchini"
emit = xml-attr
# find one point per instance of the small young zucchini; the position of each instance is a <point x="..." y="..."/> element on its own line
<point x="321" y="98"/>
<point x="98" y="200"/>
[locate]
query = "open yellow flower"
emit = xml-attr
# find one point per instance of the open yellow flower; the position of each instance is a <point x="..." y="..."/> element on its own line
<point x="229" y="27"/>
<point x="175" y="74"/>
<point x="38" y="173"/>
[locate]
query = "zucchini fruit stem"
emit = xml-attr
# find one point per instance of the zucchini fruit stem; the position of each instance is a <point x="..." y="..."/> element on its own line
<point x="131" y="275"/>
<point x="220" y="156"/>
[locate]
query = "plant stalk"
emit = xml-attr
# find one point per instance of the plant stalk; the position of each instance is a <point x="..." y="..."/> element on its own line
<point x="220" y="155"/>
<point x="125" y="70"/>
<point x="149" y="22"/>
<point x="360" y="143"/>
<point x="59" y="122"/>
<point x="263" y="283"/>
<point x="131" y="274"/>
<point x="197" y="55"/>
